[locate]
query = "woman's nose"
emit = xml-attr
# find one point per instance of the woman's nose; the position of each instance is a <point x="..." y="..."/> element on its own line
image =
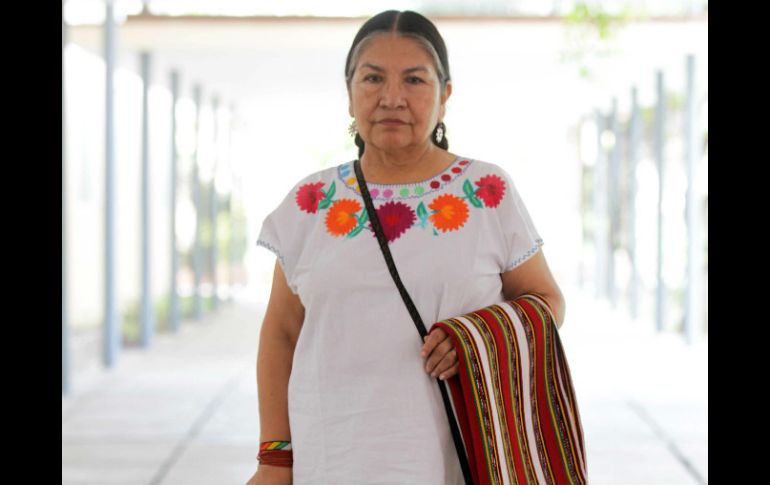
<point x="392" y="94"/>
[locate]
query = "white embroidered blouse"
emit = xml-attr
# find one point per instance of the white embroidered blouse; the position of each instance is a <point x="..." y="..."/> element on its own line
<point x="362" y="409"/>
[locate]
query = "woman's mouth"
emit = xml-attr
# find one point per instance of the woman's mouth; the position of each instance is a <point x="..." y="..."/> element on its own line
<point x="392" y="122"/>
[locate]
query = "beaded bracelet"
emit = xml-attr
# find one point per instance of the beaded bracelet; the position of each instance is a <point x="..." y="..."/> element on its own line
<point x="275" y="453"/>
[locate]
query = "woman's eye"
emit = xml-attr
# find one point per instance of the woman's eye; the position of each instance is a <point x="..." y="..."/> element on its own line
<point x="376" y="77"/>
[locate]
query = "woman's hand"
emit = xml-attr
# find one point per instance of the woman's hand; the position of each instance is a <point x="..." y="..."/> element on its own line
<point x="441" y="356"/>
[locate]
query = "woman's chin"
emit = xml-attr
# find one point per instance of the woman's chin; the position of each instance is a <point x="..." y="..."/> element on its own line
<point x="391" y="142"/>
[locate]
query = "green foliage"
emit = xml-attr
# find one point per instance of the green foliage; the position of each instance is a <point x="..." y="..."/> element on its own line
<point x="187" y="305"/>
<point x="131" y="324"/>
<point x="231" y="235"/>
<point x="162" y="309"/>
<point x="589" y="30"/>
<point x="675" y="101"/>
<point x="606" y="24"/>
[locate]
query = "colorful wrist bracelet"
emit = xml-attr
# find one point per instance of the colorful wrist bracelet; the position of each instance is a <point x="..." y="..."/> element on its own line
<point x="275" y="453"/>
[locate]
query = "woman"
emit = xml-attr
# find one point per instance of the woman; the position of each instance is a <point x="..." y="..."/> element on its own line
<point x="339" y="360"/>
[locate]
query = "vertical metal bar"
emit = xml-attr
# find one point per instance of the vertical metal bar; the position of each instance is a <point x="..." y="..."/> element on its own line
<point x="231" y="229"/>
<point x="229" y="256"/>
<point x="613" y="196"/>
<point x="600" y="209"/>
<point x="111" y="324"/>
<point x="213" y="208"/>
<point x="660" y="125"/>
<point x="692" y="318"/>
<point x="148" y="320"/>
<point x="196" y="256"/>
<point x="173" y="290"/>
<point x="634" y="138"/>
<point x="584" y="205"/>
<point x="65" y="359"/>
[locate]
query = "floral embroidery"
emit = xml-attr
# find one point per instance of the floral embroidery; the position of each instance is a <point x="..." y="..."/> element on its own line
<point x="450" y="212"/>
<point x="446" y="212"/>
<point x="413" y="190"/>
<point x="395" y="218"/>
<point x="491" y="190"/>
<point x="309" y="196"/>
<point x="341" y="218"/>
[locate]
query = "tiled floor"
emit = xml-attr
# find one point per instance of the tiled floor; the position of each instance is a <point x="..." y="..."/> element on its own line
<point x="186" y="411"/>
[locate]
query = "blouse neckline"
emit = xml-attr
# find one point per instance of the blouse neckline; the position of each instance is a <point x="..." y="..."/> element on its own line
<point x="347" y="175"/>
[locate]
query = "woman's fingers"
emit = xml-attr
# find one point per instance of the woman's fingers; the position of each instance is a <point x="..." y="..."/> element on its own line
<point x="442" y="359"/>
<point x="440" y="355"/>
<point x="451" y="372"/>
<point x="433" y="339"/>
<point x="438" y="352"/>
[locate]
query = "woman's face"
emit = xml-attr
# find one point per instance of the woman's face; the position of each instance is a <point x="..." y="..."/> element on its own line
<point x="396" y="79"/>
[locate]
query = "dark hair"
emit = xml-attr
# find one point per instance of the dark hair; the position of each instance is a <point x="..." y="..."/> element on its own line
<point x="407" y="24"/>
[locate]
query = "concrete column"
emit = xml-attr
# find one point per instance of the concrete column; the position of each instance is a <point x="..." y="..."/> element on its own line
<point x="112" y="330"/>
<point x="693" y="316"/>
<point x="614" y="206"/>
<point x="197" y="256"/>
<point x="601" y="233"/>
<point x="147" y="313"/>
<point x="174" y="311"/>
<point x="213" y="209"/>
<point x="230" y="229"/>
<point x="65" y="358"/>
<point x="659" y="141"/>
<point x="634" y="140"/>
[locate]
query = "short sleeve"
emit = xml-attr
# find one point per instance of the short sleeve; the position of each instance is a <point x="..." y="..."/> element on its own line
<point x="268" y="238"/>
<point x="277" y="235"/>
<point x="521" y="238"/>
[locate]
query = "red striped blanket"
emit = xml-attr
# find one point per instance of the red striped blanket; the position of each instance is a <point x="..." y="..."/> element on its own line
<point x="513" y="396"/>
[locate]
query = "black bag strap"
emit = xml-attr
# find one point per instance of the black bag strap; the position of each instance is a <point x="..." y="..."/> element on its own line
<point x="413" y="312"/>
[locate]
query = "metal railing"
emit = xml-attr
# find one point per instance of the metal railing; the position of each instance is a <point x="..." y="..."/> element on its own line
<point x="645" y="206"/>
<point x="211" y="209"/>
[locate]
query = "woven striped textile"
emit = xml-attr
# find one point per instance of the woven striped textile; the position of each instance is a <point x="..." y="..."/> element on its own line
<point x="513" y="396"/>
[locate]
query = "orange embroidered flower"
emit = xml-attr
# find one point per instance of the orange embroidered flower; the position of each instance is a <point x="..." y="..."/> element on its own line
<point x="452" y="212"/>
<point x="341" y="218"/>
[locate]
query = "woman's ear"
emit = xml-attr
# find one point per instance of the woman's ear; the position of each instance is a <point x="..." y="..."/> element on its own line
<point x="448" y="92"/>
<point x="445" y="98"/>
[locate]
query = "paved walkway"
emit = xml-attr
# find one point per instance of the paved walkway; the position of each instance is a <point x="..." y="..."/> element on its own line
<point x="186" y="411"/>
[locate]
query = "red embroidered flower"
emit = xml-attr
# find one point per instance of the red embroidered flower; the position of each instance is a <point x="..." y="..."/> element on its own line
<point x="491" y="190"/>
<point x="308" y="196"/>
<point x="341" y="218"/>
<point x="452" y="212"/>
<point x="395" y="218"/>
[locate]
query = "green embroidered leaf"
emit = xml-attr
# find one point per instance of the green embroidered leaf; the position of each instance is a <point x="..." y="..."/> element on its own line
<point x="363" y="217"/>
<point x="355" y="231"/>
<point x="475" y="201"/>
<point x="331" y="191"/>
<point x="422" y="213"/>
<point x="325" y="203"/>
<point x="468" y="189"/>
<point x="434" y="232"/>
